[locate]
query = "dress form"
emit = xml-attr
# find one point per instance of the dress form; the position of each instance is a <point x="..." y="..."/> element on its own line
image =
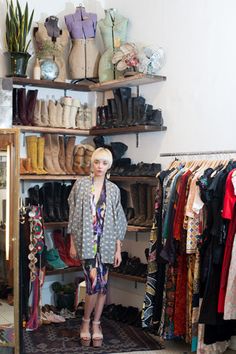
<point x="113" y="30"/>
<point x="51" y="42"/>
<point x="84" y="55"/>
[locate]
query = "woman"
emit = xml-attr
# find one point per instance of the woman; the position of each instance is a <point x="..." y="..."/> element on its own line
<point x="98" y="224"/>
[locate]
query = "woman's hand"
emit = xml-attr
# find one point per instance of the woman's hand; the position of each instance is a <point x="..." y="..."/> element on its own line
<point x="117" y="259"/>
<point x="73" y="251"/>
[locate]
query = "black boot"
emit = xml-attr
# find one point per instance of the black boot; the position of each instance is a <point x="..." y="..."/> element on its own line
<point x="15" y="110"/>
<point x="118" y="150"/>
<point x="148" y="109"/>
<point x="65" y="191"/>
<point x="48" y="201"/>
<point x="124" y="199"/>
<point x="135" y="201"/>
<point x="57" y="201"/>
<point x="155" y="118"/>
<point x="125" y="95"/>
<point x="113" y="114"/>
<point x="117" y="98"/>
<point x="33" y="194"/>
<point x="22" y="106"/>
<point x="138" y="109"/>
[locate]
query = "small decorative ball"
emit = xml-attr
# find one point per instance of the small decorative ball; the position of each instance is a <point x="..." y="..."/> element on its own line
<point x="49" y="69"/>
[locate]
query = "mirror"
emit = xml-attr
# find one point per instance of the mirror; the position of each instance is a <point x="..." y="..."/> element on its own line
<point x="9" y="304"/>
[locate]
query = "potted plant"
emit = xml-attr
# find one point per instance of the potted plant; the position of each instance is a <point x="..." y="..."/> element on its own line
<point x="18" y="25"/>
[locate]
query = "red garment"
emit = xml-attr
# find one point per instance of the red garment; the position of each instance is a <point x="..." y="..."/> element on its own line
<point x="179" y="214"/>
<point x="229" y="212"/>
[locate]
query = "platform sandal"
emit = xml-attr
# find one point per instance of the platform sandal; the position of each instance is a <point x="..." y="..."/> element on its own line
<point x="85" y="337"/>
<point x="97" y="338"/>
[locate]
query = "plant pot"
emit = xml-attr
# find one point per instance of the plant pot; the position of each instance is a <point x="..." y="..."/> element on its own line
<point x="18" y="63"/>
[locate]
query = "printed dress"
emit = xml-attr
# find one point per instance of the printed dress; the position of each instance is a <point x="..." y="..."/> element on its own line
<point x="96" y="272"/>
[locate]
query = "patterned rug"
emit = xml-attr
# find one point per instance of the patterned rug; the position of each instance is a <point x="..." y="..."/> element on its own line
<point x="64" y="338"/>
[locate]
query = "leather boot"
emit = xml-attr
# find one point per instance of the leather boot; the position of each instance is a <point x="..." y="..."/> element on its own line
<point x="142" y="197"/>
<point x="40" y="145"/>
<point x="57" y="201"/>
<point x="52" y="114"/>
<point x="31" y="148"/>
<point x="23" y="170"/>
<point x="47" y="195"/>
<point x="67" y="102"/>
<point x="62" y="156"/>
<point x="125" y="94"/>
<point x="44" y="113"/>
<point x="89" y="149"/>
<point x="112" y="113"/>
<point x="80" y="119"/>
<point x="15" y="110"/>
<point x="33" y="194"/>
<point x="138" y="109"/>
<point x="150" y="206"/>
<point x="64" y="202"/>
<point x="135" y="202"/>
<point x="48" y="160"/>
<point x="59" y="115"/>
<point x="76" y="262"/>
<point x="70" y="144"/>
<point x="87" y="117"/>
<point x="118" y="150"/>
<point x="78" y="162"/>
<point x="156" y="118"/>
<point x="37" y="114"/>
<point x="27" y="165"/>
<point x="55" y="154"/>
<point x="117" y="98"/>
<point x="148" y="108"/>
<point x="130" y="118"/>
<point x="22" y="106"/>
<point x="30" y="104"/>
<point x="73" y="112"/>
<point x="124" y="199"/>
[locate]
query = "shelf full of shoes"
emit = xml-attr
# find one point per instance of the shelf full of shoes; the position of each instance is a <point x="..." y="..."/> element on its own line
<point x="55" y="157"/>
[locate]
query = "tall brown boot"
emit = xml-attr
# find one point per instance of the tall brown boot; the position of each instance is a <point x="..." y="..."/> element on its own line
<point x="28" y="165"/>
<point x="89" y="149"/>
<point x="36" y="121"/>
<point x="31" y="148"/>
<point x="150" y="206"/>
<point x="48" y="163"/>
<point x="70" y="144"/>
<point x="55" y="154"/>
<point x="22" y="106"/>
<point x="142" y="196"/>
<point x="78" y="164"/>
<point x="30" y="104"/>
<point x="44" y="113"/>
<point x="62" y="155"/>
<point x="41" y="144"/>
<point x="135" y="202"/>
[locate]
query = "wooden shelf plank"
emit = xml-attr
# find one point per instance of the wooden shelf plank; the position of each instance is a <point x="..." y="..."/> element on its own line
<point x="127" y="130"/>
<point x="82" y="86"/>
<point x="133" y="179"/>
<point x="127" y="277"/>
<point x="136" y="80"/>
<point x="64" y="271"/>
<point x="133" y="228"/>
<point x="24" y="128"/>
<point x="55" y="224"/>
<point x="48" y="177"/>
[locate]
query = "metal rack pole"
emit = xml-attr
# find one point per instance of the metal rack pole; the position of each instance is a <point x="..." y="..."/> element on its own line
<point x="197" y="153"/>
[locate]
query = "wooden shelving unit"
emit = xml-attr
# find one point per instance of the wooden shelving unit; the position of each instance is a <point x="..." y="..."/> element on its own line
<point x="128" y="130"/>
<point x="55" y="224"/>
<point x="135" y="80"/>
<point x="32" y="129"/>
<point x="48" y="177"/>
<point x="133" y="179"/>
<point x="127" y="277"/>
<point x="64" y="271"/>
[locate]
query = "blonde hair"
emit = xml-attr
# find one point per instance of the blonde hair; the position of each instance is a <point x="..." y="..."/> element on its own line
<point x="102" y="154"/>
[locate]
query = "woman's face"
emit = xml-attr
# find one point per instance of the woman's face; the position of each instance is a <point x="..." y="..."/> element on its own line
<point x="100" y="167"/>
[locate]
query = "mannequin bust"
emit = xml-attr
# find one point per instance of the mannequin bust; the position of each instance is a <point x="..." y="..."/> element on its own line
<point x="84" y="55"/>
<point x="51" y="42"/>
<point x="113" y="29"/>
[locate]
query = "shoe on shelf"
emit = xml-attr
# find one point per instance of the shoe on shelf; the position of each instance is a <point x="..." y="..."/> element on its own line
<point x="97" y="337"/>
<point x="85" y="337"/>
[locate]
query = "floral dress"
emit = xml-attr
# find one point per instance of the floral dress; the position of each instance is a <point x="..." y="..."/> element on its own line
<point x="96" y="272"/>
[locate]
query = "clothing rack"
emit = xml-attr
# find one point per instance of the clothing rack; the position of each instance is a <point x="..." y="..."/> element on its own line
<point x="167" y="154"/>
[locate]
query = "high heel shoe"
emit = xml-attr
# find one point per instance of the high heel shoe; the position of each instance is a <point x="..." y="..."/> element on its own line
<point x="97" y="338"/>
<point x="85" y="337"/>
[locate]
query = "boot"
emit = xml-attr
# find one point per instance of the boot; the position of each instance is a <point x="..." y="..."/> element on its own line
<point x="27" y="165"/>
<point x="64" y="202"/>
<point x="76" y="262"/>
<point x="31" y="148"/>
<point x="89" y="149"/>
<point x="55" y="154"/>
<point x="36" y="121"/>
<point x="87" y="117"/>
<point x="125" y="94"/>
<point x="118" y="150"/>
<point x="70" y="144"/>
<point x="52" y="114"/>
<point x="62" y="156"/>
<point x="67" y="102"/>
<point x="130" y="118"/>
<point x="59" y="115"/>
<point x="124" y="199"/>
<point x="22" y="106"/>
<point x="135" y="202"/>
<point x="80" y="119"/>
<point x="73" y="112"/>
<point x="57" y="201"/>
<point x="23" y="170"/>
<point x="78" y="164"/>
<point x="48" y="161"/>
<point x="47" y="195"/>
<point x="118" y="106"/>
<point x="138" y="109"/>
<point x="44" y="114"/>
<point x="33" y="194"/>
<point x="15" y="110"/>
<point x="30" y="105"/>
<point x="41" y="144"/>
<point x="112" y="112"/>
<point x="150" y="206"/>
<point x="156" y="118"/>
<point x="142" y="196"/>
<point x="148" y="109"/>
